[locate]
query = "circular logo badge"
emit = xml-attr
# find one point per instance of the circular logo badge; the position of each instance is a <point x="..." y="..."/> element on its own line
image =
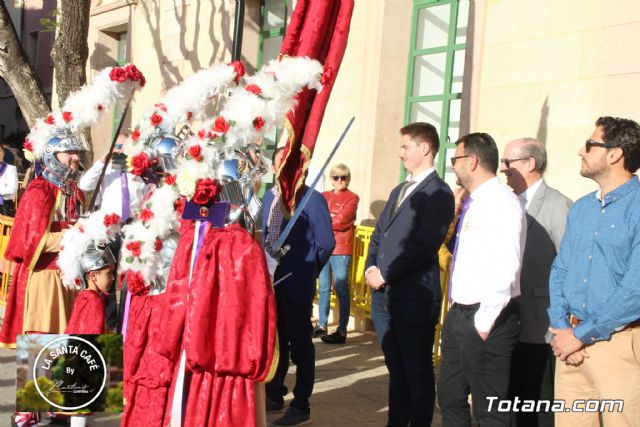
<point x="76" y="370"/>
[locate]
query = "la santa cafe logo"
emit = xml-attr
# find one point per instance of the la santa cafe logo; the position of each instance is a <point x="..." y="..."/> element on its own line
<point x="85" y="371"/>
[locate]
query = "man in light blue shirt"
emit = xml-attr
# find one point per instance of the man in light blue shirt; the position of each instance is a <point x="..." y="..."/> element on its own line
<point x="594" y="285"/>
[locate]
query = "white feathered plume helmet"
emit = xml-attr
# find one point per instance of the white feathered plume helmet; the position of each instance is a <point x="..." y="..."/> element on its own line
<point x="82" y="109"/>
<point x="252" y="108"/>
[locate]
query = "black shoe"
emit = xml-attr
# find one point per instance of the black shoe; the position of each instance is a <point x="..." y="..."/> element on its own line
<point x="274" y="405"/>
<point x="293" y="417"/>
<point x="334" y="338"/>
<point x="319" y="331"/>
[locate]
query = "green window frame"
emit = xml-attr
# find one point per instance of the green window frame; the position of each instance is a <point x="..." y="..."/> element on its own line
<point x="439" y="58"/>
<point x="270" y="39"/>
<point x="121" y="59"/>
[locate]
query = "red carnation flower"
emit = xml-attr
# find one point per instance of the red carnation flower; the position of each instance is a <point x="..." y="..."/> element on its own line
<point x="100" y="107"/>
<point x="189" y="115"/>
<point x="77" y="282"/>
<point x="111" y="219"/>
<point x="135" y="283"/>
<point x="134" y="247"/>
<point x="156" y="119"/>
<point x="28" y="145"/>
<point x="239" y="69"/>
<point x="195" y="151"/>
<point x="49" y="120"/>
<point x="206" y="190"/>
<point x="201" y="134"/>
<point x="135" y="135"/>
<point x="255" y="89"/>
<point x="146" y="214"/>
<point x="67" y="116"/>
<point x="118" y="74"/>
<point x="212" y="135"/>
<point x="170" y="179"/>
<point x="178" y="205"/>
<point x="221" y="125"/>
<point x="157" y="245"/>
<point x="134" y="74"/>
<point x="139" y="163"/>
<point x="258" y="123"/>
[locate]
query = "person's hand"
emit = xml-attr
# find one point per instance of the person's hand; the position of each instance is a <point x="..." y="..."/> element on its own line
<point x="374" y="279"/>
<point x="483" y="335"/>
<point x="575" y="359"/>
<point x="564" y="343"/>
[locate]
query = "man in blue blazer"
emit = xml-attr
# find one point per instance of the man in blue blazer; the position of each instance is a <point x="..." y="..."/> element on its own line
<point x="312" y="242"/>
<point x="402" y="270"/>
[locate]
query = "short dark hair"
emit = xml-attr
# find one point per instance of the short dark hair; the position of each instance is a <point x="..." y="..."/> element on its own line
<point x="423" y="132"/>
<point x="483" y="147"/>
<point x="623" y="133"/>
<point x="275" y="154"/>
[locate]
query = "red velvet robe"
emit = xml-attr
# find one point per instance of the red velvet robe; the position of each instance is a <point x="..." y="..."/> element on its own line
<point x="32" y="221"/>
<point x="88" y="315"/>
<point x="226" y="324"/>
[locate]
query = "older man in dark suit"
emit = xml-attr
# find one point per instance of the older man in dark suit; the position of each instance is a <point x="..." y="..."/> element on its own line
<point x="402" y="270"/>
<point x="312" y="242"/>
<point x="523" y="163"/>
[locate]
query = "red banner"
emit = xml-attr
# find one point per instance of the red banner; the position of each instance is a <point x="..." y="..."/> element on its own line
<point x="319" y="29"/>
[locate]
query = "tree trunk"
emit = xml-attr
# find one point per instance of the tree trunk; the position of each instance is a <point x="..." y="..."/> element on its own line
<point x="18" y="72"/>
<point x="70" y="50"/>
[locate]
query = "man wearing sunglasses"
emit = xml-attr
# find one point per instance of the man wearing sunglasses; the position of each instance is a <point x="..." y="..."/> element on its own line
<point x="403" y="271"/>
<point x="482" y="327"/>
<point x="595" y="296"/>
<point x="523" y="163"/>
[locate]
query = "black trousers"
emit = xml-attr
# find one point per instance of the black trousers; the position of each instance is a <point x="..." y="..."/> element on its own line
<point x="532" y="372"/>
<point x="111" y="306"/>
<point x="471" y="365"/>
<point x="406" y="330"/>
<point x="295" y="341"/>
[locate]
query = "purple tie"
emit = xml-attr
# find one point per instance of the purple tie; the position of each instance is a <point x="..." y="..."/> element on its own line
<point x="463" y="212"/>
<point x="124" y="186"/>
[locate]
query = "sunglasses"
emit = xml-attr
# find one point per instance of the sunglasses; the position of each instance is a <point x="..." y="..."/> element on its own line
<point x="591" y="143"/>
<point x="340" y="178"/>
<point x="507" y="162"/>
<point x="455" y="159"/>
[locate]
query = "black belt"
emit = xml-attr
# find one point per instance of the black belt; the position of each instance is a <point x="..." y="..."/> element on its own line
<point x="466" y="307"/>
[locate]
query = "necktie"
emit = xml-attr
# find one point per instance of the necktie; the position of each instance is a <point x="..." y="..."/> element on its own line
<point x="456" y="238"/>
<point x="124" y="186"/>
<point x="403" y="191"/>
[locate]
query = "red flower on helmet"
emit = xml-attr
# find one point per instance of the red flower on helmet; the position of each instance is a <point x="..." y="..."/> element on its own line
<point x="156" y="119"/>
<point x="170" y="179"/>
<point x="100" y="107"/>
<point x="146" y="214"/>
<point x="134" y="74"/>
<point x="28" y="145"/>
<point x="135" y="135"/>
<point x="221" y="125"/>
<point x="50" y="120"/>
<point x="258" y="123"/>
<point x="157" y="245"/>
<point x="195" y="151"/>
<point x="239" y="69"/>
<point x="134" y="247"/>
<point x="201" y="134"/>
<point x="118" y="74"/>
<point x="139" y="163"/>
<point x="111" y="219"/>
<point x="206" y="190"/>
<point x="255" y="89"/>
<point x="189" y="115"/>
<point x="135" y="283"/>
<point x="178" y="205"/>
<point x="67" y="116"/>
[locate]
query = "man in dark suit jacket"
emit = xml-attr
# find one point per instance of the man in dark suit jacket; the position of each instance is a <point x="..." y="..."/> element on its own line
<point x="402" y="270"/>
<point x="311" y="244"/>
<point x="532" y="373"/>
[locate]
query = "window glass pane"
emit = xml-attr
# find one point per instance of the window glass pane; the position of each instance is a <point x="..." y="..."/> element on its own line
<point x="122" y="48"/>
<point x="463" y="21"/>
<point x="449" y="174"/>
<point x="430" y="112"/>
<point x="428" y="74"/>
<point x="433" y="27"/>
<point x="275" y="14"/>
<point x="271" y="48"/>
<point x="458" y="71"/>
<point x="454" y="120"/>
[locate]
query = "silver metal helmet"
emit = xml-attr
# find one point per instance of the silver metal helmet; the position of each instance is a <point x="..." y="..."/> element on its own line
<point x="95" y="258"/>
<point x="56" y="172"/>
<point x="165" y="149"/>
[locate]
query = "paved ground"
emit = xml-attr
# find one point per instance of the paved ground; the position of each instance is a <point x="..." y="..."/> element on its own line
<point x="350" y="387"/>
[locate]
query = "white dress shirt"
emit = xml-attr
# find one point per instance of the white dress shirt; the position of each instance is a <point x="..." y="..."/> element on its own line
<point x="489" y="253"/>
<point x="9" y="183"/>
<point x="110" y="197"/>
<point x="527" y="195"/>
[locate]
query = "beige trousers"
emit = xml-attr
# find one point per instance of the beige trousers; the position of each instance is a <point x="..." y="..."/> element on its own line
<point x="612" y="371"/>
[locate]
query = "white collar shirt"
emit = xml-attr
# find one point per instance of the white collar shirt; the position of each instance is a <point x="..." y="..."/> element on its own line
<point x="489" y="253"/>
<point x="417" y="180"/>
<point x="110" y="198"/>
<point x="530" y="192"/>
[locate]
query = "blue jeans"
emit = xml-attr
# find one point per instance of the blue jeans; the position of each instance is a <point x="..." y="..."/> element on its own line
<point x="339" y="266"/>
